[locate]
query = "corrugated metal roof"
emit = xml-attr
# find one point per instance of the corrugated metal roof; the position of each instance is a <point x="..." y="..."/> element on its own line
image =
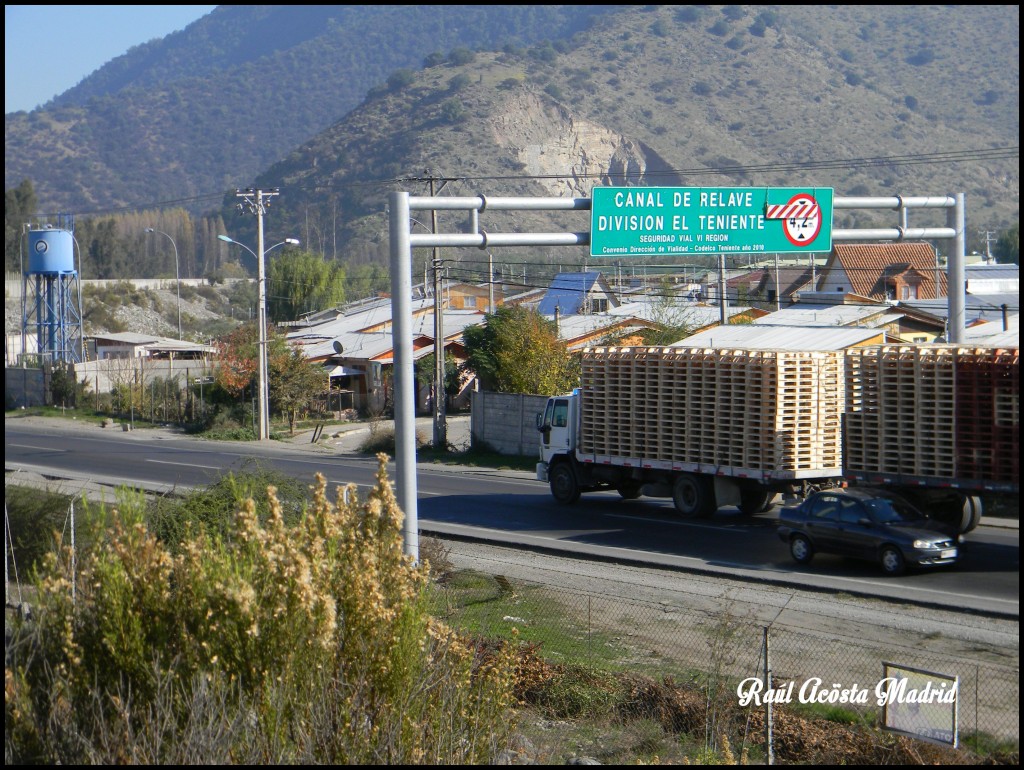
<point x="759" y="337"/>
<point x="681" y="312"/>
<point x="997" y="271"/>
<point x="810" y="315"/>
<point x="127" y="338"/>
<point x="567" y="292"/>
<point x="973" y="304"/>
<point x="991" y="332"/>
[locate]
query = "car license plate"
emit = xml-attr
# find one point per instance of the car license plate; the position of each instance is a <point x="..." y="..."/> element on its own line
<point x="949" y="553"/>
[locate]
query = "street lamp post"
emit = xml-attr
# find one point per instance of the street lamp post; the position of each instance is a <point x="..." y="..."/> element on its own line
<point x="261" y="314"/>
<point x="177" y="272"/>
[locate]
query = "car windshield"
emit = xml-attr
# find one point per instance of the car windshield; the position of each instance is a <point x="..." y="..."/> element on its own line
<point x="889" y="511"/>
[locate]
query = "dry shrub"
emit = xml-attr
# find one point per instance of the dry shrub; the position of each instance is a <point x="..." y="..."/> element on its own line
<point x="676" y="709"/>
<point x="269" y="644"/>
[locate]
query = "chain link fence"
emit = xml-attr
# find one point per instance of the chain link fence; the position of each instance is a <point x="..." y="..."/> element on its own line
<point x="712" y="652"/>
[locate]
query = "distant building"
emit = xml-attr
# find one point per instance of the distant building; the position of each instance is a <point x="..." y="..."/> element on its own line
<point x="578" y="294"/>
<point x="884" y="271"/>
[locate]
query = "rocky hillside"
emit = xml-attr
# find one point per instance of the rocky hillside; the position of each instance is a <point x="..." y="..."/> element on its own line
<point x="206" y="310"/>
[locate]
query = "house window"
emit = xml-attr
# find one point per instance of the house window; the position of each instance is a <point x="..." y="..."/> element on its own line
<point x="839" y="288"/>
<point x="909" y="292"/>
<point x="599" y="305"/>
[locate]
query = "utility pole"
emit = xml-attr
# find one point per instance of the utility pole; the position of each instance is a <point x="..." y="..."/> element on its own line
<point x="721" y="290"/>
<point x="440" y="423"/>
<point x="257" y="201"/>
<point x="778" y="299"/>
<point x="989" y="237"/>
<point x="490" y="283"/>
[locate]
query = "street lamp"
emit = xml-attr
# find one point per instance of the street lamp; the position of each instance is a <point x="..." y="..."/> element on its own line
<point x="261" y="314"/>
<point x="177" y="273"/>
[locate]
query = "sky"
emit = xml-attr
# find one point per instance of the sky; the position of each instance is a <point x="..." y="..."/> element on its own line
<point x="51" y="48"/>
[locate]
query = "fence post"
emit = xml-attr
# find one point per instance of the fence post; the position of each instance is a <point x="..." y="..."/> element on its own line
<point x="769" y="755"/>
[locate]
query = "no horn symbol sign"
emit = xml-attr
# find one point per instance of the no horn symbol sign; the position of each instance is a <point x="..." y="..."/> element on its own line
<point x="801" y="218"/>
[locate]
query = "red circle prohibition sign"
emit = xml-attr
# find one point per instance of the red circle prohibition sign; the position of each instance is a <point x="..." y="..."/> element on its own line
<point x="802" y="230"/>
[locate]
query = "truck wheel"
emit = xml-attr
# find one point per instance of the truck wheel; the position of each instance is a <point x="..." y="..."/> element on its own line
<point x="892" y="561"/>
<point x="972" y="514"/>
<point x="754" y="498"/>
<point x="564" y="488"/>
<point x="801" y="550"/>
<point x="693" y="496"/>
<point x="630" y="490"/>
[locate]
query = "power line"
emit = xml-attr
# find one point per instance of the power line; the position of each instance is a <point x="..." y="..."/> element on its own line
<point x="954" y="156"/>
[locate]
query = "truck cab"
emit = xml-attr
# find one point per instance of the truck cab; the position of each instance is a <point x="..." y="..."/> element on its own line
<point x="557" y="425"/>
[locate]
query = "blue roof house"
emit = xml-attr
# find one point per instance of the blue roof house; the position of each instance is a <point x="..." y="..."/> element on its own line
<point x="578" y="294"/>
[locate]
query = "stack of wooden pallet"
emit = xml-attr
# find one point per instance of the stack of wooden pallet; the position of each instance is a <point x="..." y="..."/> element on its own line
<point x="936" y="411"/>
<point x="767" y="410"/>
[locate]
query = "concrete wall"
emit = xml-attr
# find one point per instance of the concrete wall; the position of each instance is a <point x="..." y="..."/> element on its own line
<point x="505" y="422"/>
<point x="101" y="376"/>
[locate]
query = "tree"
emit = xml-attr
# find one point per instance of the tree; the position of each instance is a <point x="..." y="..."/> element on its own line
<point x="1008" y="246"/>
<point x="19" y="208"/>
<point x="65" y="390"/>
<point x="401" y="78"/>
<point x="294" y="380"/>
<point x="517" y="350"/>
<point x="239" y="360"/>
<point x="302" y="282"/>
<point x="452" y="375"/>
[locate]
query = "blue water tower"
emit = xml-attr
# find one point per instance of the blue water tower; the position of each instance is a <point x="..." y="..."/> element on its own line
<point x="52" y="295"/>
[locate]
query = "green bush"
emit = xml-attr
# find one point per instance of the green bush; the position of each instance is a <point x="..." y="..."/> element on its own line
<point x="37" y="519"/>
<point x="212" y="509"/>
<point x="274" y="644"/>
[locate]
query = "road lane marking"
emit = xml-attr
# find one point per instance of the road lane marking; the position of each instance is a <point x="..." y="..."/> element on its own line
<point x="43" y="448"/>
<point x="185" y="465"/>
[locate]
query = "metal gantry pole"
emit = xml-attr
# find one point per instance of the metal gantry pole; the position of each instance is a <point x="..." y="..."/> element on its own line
<point x="956" y="282"/>
<point x="404" y="379"/>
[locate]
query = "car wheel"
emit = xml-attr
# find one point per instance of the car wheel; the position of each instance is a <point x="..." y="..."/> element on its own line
<point x="563" y="484"/>
<point x="800" y="549"/>
<point x="892" y="561"/>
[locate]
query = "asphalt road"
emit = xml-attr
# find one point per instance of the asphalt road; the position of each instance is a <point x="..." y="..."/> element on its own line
<point x="513" y="509"/>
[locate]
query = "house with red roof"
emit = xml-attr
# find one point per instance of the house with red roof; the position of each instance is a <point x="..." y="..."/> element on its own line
<point x="884" y="271"/>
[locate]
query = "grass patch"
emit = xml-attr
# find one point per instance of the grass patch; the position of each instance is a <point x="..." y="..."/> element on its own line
<point x="994" y="750"/>
<point x="483" y="605"/>
<point x="478" y="458"/>
<point x="832" y="713"/>
<point x="89" y="416"/>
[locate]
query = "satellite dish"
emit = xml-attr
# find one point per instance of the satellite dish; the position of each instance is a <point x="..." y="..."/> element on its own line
<point x="338" y="347"/>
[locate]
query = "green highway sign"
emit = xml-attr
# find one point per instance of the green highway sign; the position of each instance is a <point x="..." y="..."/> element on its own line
<point x="644" y="221"/>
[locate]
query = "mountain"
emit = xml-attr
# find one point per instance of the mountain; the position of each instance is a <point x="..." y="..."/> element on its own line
<point x="350" y="102"/>
<point x="204" y="109"/>
<point x="867" y="100"/>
